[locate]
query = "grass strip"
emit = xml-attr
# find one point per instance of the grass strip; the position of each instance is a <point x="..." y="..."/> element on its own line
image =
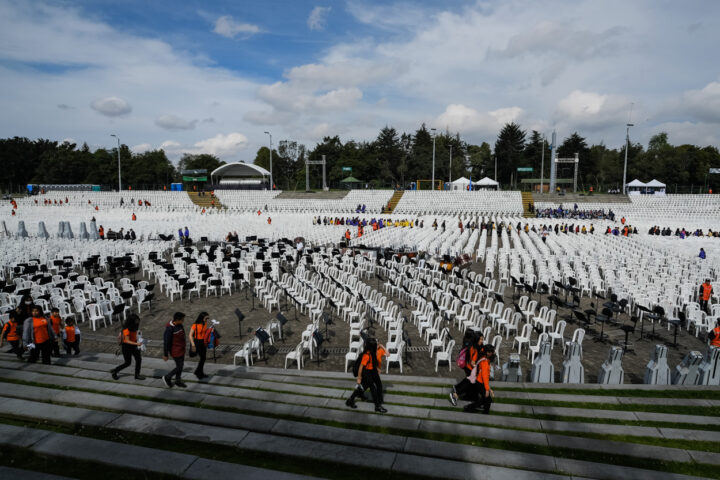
<point x="688" y="393"/>
<point x="576" y="454"/>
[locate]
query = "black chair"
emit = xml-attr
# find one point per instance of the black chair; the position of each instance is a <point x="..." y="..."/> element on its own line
<point x="628" y="329"/>
<point x="676" y="322"/>
<point x="656" y="315"/>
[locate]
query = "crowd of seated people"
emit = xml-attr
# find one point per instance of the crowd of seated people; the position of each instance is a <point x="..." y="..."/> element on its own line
<point x="575" y="213"/>
<point x="625" y="231"/>
<point x="681" y="232"/>
<point x="360" y="208"/>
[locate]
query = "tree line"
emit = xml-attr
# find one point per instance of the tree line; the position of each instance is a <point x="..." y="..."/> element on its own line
<point x="392" y="159"/>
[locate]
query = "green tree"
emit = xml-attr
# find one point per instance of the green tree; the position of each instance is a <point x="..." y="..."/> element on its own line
<point x="509" y="149"/>
<point x="199" y="162"/>
<point x="481" y="161"/>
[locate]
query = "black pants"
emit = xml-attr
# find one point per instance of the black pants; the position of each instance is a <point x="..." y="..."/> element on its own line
<point x="370" y="379"/>
<point x="704" y="305"/>
<point x="16" y="348"/>
<point x="201" y="350"/>
<point x="55" y="347"/>
<point x="75" y="346"/>
<point x="463" y="387"/>
<point x="129" y="352"/>
<point x="480" y="400"/>
<point x="41" y="349"/>
<point x="177" y="371"/>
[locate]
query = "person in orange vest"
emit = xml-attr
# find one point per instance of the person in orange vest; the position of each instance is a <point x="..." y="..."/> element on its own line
<point x="259" y="213"/>
<point x="622" y="220"/>
<point x="101" y="233"/>
<point x="10" y="333"/>
<point x="96" y="208"/>
<point x="347" y="235"/>
<point x="38" y="336"/>
<point x="13" y="212"/>
<point x="714" y="334"/>
<point x="71" y="337"/>
<point x="130" y="347"/>
<point x="197" y="342"/>
<point x="56" y="323"/>
<point x="269" y="220"/>
<point x="705" y="293"/>
<point x="369" y="375"/>
<point x="164" y="188"/>
<point x="203" y="210"/>
<point x="134" y="217"/>
<point x="483" y="392"/>
<point x="360" y="231"/>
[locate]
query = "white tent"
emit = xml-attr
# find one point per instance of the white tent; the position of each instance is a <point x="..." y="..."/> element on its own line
<point x="655" y="187"/>
<point x="487" y="182"/>
<point x="636" y="187"/>
<point x="460" y="184"/>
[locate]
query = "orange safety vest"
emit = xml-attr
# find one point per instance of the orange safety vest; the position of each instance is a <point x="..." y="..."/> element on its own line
<point x="134" y="217"/>
<point x="347" y="234"/>
<point x="706" y="291"/>
<point x="10" y="329"/>
<point x="198" y="331"/>
<point x="715" y="342"/>
<point x="40" y="330"/>
<point x="55" y="323"/>
<point x="70" y="334"/>
<point x="483" y="372"/>
<point x="130" y="334"/>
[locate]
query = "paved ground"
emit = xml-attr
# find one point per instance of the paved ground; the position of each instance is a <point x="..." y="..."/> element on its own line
<point x="418" y="361"/>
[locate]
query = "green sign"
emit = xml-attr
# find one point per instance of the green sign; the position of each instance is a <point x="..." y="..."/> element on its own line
<point x="347" y="169"/>
<point x="524" y="169"/>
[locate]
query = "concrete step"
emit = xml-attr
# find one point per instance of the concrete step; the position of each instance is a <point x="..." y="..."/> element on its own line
<point x="305" y="406"/>
<point x="329" y="195"/>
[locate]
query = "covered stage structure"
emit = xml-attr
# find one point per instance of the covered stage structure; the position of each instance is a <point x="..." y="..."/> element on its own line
<point x="240" y="175"/>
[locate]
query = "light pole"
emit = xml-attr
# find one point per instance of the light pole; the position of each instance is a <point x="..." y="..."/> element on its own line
<point x="542" y="165"/>
<point x="271" y="175"/>
<point x="432" y="185"/>
<point x="627" y="144"/>
<point x="450" y="180"/>
<point x="119" y="177"/>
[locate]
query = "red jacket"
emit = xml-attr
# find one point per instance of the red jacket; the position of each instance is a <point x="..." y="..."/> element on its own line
<point x="174" y="340"/>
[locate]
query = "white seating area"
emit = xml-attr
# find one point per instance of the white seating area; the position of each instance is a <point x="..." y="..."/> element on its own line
<point x="246" y="200"/>
<point x="159" y="200"/>
<point x="426" y="202"/>
<point x="690" y="207"/>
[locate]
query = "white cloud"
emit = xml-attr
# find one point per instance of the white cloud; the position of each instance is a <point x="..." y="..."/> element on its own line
<point x="221" y="145"/>
<point x="111" y="106"/>
<point x="467" y="120"/>
<point x="142" y="148"/>
<point x="173" y="122"/>
<point x="286" y="97"/>
<point x="230" y="28"/>
<point x="318" y="18"/>
<point x="703" y="104"/>
<point x="590" y="110"/>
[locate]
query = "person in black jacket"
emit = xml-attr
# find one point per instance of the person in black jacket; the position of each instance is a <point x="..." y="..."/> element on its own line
<point x="174" y="346"/>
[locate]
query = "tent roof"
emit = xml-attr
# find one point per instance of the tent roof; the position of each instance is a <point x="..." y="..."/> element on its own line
<point x="350" y="180"/>
<point x="654" y="183"/>
<point x="636" y="183"/>
<point x="461" y="180"/>
<point x="240" y="169"/>
<point x="486" y="181"/>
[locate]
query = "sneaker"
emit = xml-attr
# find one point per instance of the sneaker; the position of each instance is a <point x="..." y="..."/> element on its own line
<point x="381" y="409"/>
<point x="350" y="403"/>
<point x="453" y="399"/>
<point x="168" y="383"/>
<point x="180" y="383"/>
<point x="114" y="374"/>
<point x="139" y="377"/>
<point x="200" y="376"/>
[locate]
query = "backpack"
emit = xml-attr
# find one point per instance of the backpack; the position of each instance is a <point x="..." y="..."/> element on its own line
<point x="212" y="338"/>
<point x="462" y="358"/>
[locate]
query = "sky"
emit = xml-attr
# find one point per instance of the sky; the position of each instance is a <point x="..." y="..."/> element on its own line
<point x="213" y="77"/>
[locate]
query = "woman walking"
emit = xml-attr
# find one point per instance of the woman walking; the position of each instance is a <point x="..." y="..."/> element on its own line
<point x="472" y="343"/>
<point x="369" y="375"/>
<point x="482" y="392"/>
<point x="197" y="342"/>
<point x="130" y="347"/>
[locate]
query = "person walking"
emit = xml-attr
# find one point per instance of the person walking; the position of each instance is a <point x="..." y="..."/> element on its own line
<point x="482" y="392"/>
<point x="130" y="347"/>
<point x="38" y="335"/>
<point x="369" y="375"/>
<point x="10" y="333"/>
<point x="472" y="343"/>
<point x="174" y="346"/>
<point x="197" y="342"/>
<point x="71" y="337"/>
